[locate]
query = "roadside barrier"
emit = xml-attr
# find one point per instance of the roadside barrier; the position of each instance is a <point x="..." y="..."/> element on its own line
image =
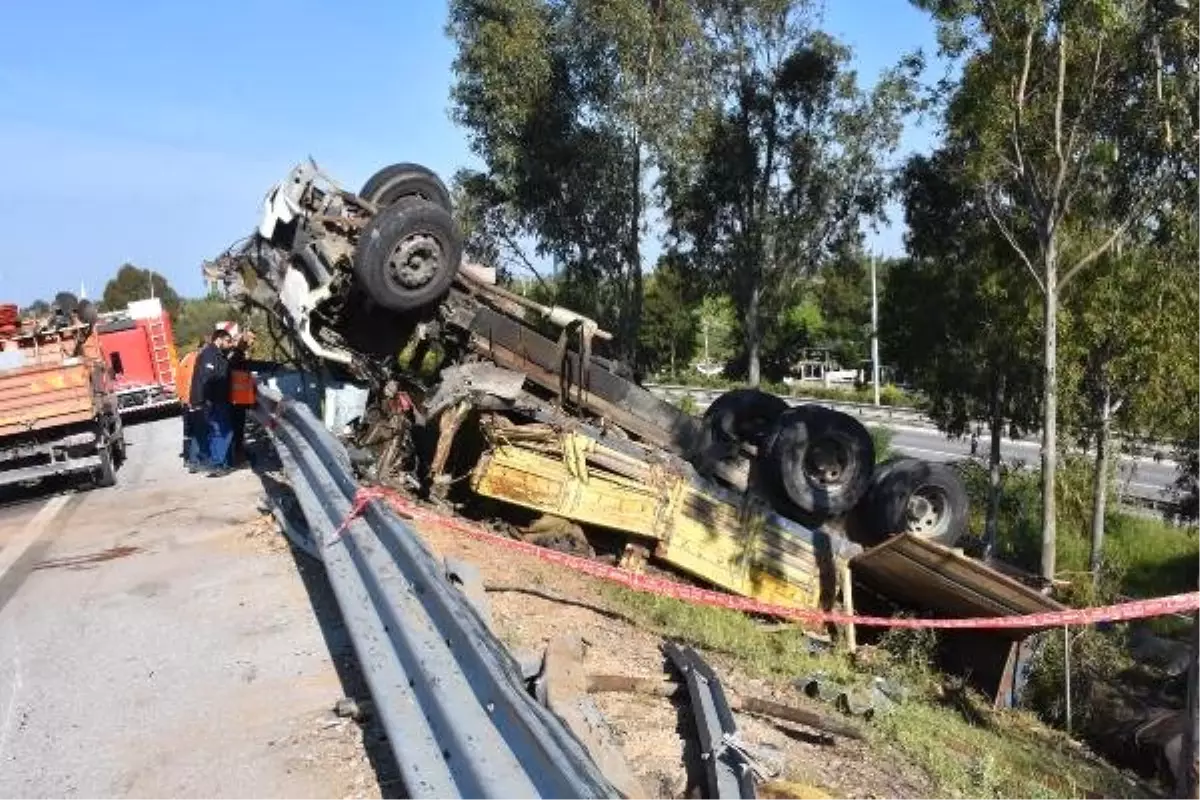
<point x="451" y="698"/>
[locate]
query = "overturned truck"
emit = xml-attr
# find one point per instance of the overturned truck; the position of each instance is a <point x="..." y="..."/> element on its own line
<point x="472" y="388"/>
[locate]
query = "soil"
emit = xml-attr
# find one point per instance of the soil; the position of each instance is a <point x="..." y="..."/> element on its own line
<point x="533" y="601"/>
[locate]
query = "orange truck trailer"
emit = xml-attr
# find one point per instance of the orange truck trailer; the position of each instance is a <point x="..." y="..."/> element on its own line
<point x="58" y="407"/>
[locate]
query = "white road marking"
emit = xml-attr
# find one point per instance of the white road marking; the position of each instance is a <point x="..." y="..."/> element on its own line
<point x="30" y="533"/>
<point x="17" y="683"/>
<point x="907" y="449"/>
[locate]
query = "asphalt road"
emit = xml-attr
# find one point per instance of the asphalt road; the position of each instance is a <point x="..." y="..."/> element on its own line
<point x="1137" y="477"/>
<point x="156" y="639"/>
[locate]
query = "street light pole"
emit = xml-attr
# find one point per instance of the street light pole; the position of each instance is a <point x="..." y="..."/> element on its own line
<point x="874" y="333"/>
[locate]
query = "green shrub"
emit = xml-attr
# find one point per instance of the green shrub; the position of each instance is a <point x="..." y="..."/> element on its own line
<point x="882" y="438"/>
<point x="1097" y="658"/>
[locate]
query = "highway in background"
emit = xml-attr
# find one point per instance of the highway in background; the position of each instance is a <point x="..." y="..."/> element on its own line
<point x="1140" y="478"/>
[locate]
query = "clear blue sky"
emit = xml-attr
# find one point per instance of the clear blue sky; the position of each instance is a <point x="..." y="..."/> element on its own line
<point x="150" y="131"/>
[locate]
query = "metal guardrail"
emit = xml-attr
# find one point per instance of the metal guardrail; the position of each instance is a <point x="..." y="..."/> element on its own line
<point x="704" y="397"/>
<point x="450" y="697"/>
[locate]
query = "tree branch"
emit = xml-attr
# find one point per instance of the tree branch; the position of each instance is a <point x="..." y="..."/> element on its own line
<point x="1085" y="109"/>
<point x="1059" y="97"/>
<point x="1028" y="179"/>
<point x="1097" y="251"/>
<point x="520" y="253"/>
<point x="1012" y="241"/>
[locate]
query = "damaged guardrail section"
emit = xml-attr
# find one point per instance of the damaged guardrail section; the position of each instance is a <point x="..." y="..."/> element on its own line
<point x="450" y="697"/>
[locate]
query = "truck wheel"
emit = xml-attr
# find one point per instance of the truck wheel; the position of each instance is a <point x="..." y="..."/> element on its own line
<point x="740" y="415"/>
<point x="925" y="499"/>
<point x="106" y="473"/>
<point x="392" y="183"/>
<point x="408" y="254"/>
<point x="823" y="458"/>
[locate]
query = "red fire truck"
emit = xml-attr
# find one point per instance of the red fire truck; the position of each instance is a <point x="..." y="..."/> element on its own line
<point x="138" y="345"/>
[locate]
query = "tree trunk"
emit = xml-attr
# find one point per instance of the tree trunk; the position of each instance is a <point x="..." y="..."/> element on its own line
<point x="1050" y="411"/>
<point x="633" y="260"/>
<point x="753" y="376"/>
<point x="1100" y="483"/>
<point x="991" y="525"/>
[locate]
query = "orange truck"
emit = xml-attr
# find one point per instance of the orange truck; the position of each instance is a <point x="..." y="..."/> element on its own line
<point x="58" y="406"/>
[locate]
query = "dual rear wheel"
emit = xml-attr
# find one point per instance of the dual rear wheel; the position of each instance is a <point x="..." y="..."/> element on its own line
<point x="822" y="462"/>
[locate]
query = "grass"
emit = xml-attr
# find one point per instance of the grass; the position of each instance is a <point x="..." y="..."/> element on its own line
<point x="977" y="754"/>
<point x="882" y="438"/>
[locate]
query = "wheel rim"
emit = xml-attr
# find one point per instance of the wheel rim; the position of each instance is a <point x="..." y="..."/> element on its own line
<point x="827" y="463"/>
<point x="415" y="261"/>
<point x="927" y="515"/>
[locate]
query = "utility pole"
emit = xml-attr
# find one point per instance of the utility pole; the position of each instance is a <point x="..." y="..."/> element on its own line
<point x="874" y="333"/>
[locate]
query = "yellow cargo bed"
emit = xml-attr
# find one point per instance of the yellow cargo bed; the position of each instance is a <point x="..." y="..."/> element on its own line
<point x="732" y="540"/>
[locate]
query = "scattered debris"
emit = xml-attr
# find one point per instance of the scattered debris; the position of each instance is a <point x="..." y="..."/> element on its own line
<point x="750" y="705"/>
<point x="353" y="708"/>
<point x="856" y="701"/>
<point x="730" y="769"/>
<point x="562" y="686"/>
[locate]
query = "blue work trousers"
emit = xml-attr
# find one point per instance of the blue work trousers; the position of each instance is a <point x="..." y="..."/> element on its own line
<point x="220" y="433"/>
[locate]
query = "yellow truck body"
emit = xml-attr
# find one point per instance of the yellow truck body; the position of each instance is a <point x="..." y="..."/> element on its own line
<point x="734" y="541"/>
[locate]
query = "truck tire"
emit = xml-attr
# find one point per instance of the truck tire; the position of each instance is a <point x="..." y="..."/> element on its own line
<point x="927" y="500"/>
<point x="740" y="415"/>
<point x="106" y="473"/>
<point x="822" y="458"/>
<point x="408" y="254"/>
<point x="397" y="181"/>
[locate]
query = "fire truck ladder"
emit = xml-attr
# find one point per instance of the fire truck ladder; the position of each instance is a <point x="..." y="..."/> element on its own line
<point x="160" y="352"/>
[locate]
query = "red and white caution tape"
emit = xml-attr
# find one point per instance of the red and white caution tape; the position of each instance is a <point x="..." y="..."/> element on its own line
<point x="1121" y="612"/>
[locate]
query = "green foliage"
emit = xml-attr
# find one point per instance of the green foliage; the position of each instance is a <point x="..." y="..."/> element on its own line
<point x="882" y="439"/>
<point x="196" y="319"/>
<point x="135" y="283"/>
<point x="66" y="301"/>
<point x="1145" y="557"/>
<point x="668" y="334"/>
<point x="1097" y="659"/>
<point x="37" y="308"/>
<point x="958" y="318"/>
<point x="716" y="332"/>
<point x="1072" y="123"/>
<point x="845" y="301"/>
<point x="786" y="162"/>
<point x="569" y="105"/>
<point x="783" y="653"/>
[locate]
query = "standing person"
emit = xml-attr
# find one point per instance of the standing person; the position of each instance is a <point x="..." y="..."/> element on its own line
<point x="210" y="390"/>
<point x="192" y="453"/>
<point x="242" y="394"/>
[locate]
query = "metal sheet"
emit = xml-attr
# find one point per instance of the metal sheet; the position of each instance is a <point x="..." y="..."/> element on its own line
<point x="935" y="579"/>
